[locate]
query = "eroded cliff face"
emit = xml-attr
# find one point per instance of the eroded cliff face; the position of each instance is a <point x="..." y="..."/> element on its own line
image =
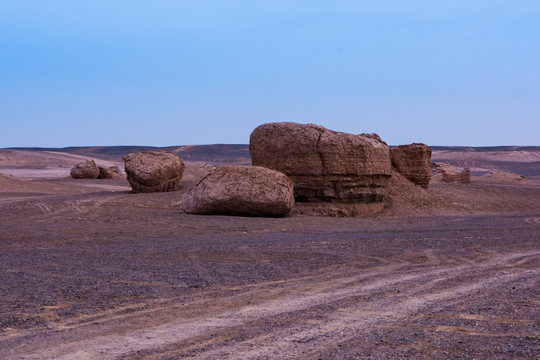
<point x="324" y="165"/>
<point x="414" y="162"/>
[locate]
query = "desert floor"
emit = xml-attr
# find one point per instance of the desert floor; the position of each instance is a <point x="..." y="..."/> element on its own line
<point x="92" y="271"/>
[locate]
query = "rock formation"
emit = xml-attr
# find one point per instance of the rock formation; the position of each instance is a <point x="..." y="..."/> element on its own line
<point x="324" y="165"/>
<point x="85" y="170"/>
<point x="463" y="176"/>
<point x="451" y="173"/>
<point x="501" y="177"/>
<point x="154" y="171"/>
<point x="109" y="173"/>
<point x="240" y="190"/>
<point x="414" y="162"/>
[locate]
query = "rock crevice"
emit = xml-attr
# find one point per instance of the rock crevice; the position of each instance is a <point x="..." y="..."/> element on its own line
<point x="324" y="165"/>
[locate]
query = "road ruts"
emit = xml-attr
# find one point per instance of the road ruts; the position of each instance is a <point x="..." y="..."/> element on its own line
<point x="296" y="318"/>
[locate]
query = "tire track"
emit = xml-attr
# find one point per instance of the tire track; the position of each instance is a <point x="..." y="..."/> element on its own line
<point x="533" y="220"/>
<point x="343" y="326"/>
<point x="176" y="326"/>
<point x="75" y="207"/>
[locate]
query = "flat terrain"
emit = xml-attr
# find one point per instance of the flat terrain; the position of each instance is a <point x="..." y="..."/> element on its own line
<point x="91" y="271"/>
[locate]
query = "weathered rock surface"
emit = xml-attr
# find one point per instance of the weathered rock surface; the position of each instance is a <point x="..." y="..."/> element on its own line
<point x="451" y="173"/>
<point x="324" y="165"/>
<point x="154" y="171"/>
<point x="463" y="176"/>
<point x="85" y="170"/>
<point x="111" y="172"/>
<point x="241" y="190"/>
<point x="414" y="162"/>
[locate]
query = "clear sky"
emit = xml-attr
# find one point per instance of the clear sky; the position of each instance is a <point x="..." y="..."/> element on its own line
<point x="174" y="72"/>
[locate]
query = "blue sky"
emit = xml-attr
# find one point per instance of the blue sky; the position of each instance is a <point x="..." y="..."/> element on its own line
<point x="81" y="73"/>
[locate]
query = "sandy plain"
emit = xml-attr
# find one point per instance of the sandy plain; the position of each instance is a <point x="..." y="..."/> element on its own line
<point x="91" y="271"/>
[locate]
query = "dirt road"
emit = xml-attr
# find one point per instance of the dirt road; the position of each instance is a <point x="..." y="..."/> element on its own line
<point x="104" y="274"/>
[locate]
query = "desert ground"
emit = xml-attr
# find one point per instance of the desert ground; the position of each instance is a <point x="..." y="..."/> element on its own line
<point x="90" y="270"/>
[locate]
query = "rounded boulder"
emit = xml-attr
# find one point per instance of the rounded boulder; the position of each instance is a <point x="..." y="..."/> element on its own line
<point x="154" y="171"/>
<point x="242" y="191"/>
<point x="85" y="170"/>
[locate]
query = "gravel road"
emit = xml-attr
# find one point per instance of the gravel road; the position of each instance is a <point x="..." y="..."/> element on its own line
<point x="105" y="274"/>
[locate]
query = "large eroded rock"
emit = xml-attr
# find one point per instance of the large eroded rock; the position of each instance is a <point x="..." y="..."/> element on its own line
<point x="463" y="176"/>
<point x="414" y="162"/>
<point x="240" y="190"/>
<point x="324" y="165"/>
<point x="154" y="171"/>
<point x="451" y="173"/>
<point x="85" y="170"/>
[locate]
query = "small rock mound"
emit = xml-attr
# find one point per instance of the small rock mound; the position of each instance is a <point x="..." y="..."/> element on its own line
<point x="451" y="173"/>
<point x="154" y="171"/>
<point x="85" y="170"/>
<point x="414" y="162"/>
<point x="110" y="173"/>
<point x="240" y="190"/>
<point x="325" y="166"/>
<point x="500" y="177"/>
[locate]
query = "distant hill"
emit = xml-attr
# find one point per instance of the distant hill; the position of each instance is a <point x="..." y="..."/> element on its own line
<point x="214" y="154"/>
<point x="523" y="160"/>
<point x="486" y="148"/>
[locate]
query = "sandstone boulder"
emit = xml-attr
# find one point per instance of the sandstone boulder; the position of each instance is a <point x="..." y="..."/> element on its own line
<point x="240" y="190"/>
<point x="451" y="173"/>
<point x="111" y="172"/>
<point x="324" y="165"/>
<point x="462" y="176"/>
<point x="154" y="171"/>
<point x="414" y="162"/>
<point x="85" y="170"/>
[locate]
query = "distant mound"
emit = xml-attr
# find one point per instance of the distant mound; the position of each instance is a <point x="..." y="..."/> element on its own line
<point x="486" y="148"/>
<point x="524" y="161"/>
<point x="521" y="160"/>
<point x="217" y="154"/>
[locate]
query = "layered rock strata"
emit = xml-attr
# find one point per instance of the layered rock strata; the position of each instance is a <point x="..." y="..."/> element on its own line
<point x="462" y="176"/>
<point x="324" y="165"/>
<point x="414" y="162"/>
